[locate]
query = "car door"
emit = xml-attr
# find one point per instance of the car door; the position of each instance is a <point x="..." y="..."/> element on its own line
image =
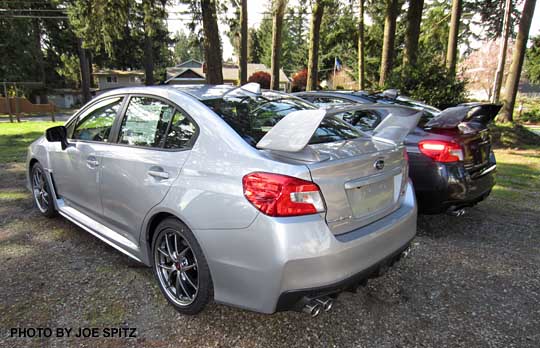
<point x="76" y="170"/>
<point x="154" y="140"/>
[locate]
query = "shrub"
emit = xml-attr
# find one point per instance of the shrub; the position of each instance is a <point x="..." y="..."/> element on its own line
<point x="430" y="83"/>
<point x="530" y="116"/>
<point x="262" y="78"/>
<point x="299" y="81"/>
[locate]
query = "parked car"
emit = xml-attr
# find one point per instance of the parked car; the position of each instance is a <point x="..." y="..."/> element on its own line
<point x="255" y="199"/>
<point x="452" y="164"/>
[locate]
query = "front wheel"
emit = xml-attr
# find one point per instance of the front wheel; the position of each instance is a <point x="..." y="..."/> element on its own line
<point x="41" y="191"/>
<point x="180" y="267"/>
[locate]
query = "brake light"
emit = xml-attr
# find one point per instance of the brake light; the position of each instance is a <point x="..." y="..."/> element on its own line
<point x="281" y="195"/>
<point x="441" y="151"/>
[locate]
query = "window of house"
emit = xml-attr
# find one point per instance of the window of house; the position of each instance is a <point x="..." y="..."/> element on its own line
<point x="112" y="79"/>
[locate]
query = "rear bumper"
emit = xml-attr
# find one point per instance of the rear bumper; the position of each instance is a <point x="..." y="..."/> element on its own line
<point x="443" y="186"/>
<point x="258" y="268"/>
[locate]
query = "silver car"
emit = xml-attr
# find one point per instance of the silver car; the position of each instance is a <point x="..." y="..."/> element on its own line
<point x="253" y="199"/>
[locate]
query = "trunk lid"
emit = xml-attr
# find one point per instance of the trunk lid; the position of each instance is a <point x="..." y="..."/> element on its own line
<point x="362" y="179"/>
<point x="467" y="124"/>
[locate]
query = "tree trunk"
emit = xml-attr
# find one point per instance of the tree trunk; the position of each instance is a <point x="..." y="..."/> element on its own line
<point x="497" y="83"/>
<point x="414" y="18"/>
<point x="512" y="81"/>
<point x="277" y="26"/>
<point x="85" y="72"/>
<point x="212" y="45"/>
<point x="242" y="71"/>
<point x="148" y="59"/>
<point x="314" y="36"/>
<point x="451" y="51"/>
<point x="40" y="60"/>
<point x="361" y="53"/>
<point x="388" y="40"/>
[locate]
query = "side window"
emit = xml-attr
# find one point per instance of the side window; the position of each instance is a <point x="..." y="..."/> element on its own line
<point x="97" y="123"/>
<point x="145" y="122"/>
<point x="181" y="132"/>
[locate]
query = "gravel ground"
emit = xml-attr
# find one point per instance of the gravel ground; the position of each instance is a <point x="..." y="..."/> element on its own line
<point x="472" y="281"/>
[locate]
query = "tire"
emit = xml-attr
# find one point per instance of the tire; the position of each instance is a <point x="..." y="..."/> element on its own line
<point x="41" y="192"/>
<point x="180" y="267"/>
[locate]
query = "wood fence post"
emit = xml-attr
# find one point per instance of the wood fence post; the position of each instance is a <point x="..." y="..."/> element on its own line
<point x="17" y="105"/>
<point x="8" y="103"/>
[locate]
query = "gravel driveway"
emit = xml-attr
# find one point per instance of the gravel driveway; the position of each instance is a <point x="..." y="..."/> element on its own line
<point x="472" y="281"/>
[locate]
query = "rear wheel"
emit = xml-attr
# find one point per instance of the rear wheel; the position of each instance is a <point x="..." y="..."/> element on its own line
<point x="41" y="191"/>
<point x="180" y="267"/>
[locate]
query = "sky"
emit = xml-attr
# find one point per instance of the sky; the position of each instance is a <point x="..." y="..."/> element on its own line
<point x="256" y="10"/>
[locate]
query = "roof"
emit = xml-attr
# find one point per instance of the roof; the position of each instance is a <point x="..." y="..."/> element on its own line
<point x="190" y="63"/>
<point x="229" y="73"/>
<point x="119" y="72"/>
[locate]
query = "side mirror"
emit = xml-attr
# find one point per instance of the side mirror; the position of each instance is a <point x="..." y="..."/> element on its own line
<point x="57" y="133"/>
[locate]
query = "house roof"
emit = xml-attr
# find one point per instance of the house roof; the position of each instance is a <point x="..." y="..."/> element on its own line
<point x="119" y="72"/>
<point x="230" y="74"/>
<point x="191" y="63"/>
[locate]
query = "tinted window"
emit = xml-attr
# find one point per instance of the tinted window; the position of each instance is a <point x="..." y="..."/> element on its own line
<point x="145" y="122"/>
<point x="251" y="116"/>
<point x="364" y="119"/>
<point x="181" y="132"/>
<point x="96" y="125"/>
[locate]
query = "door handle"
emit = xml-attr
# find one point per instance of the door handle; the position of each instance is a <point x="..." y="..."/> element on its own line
<point x="158" y="174"/>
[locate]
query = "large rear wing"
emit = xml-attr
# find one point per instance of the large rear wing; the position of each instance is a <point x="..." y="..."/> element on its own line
<point x="294" y="131"/>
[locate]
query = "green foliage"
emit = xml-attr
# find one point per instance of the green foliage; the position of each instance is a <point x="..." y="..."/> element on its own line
<point x="70" y="69"/>
<point x="429" y="82"/>
<point x="294" y="49"/>
<point x="532" y="63"/>
<point x="527" y="110"/>
<point x="187" y="47"/>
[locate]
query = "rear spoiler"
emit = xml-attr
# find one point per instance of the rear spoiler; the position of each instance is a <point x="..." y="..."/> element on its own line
<point x="294" y="131"/>
<point x="480" y="113"/>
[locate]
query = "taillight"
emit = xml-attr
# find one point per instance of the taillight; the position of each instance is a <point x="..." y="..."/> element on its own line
<point x="281" y="195"/>
<point x="441" y="151"/>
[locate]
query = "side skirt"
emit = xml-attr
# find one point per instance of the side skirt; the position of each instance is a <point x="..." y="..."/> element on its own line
<point x="101" y="231"/>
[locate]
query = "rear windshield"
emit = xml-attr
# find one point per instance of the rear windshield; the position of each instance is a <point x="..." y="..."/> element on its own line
<point x="253" y="115"/>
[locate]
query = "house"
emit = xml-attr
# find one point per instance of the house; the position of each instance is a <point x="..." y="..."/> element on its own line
<point x="110" y="79"/>
<point x="192" y="72"/>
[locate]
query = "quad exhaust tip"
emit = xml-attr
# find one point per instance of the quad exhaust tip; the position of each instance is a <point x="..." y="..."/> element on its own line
<point x="457" y="212"/>
<point x="314" y="307"/>
<point x="326" y="303"/>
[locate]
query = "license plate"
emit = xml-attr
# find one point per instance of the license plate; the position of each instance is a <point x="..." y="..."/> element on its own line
<point x="371" y="198"/>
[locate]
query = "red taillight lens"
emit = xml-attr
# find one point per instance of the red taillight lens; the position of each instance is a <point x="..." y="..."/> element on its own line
<point x="281" y="195"/>
<point x="441" y="151"/>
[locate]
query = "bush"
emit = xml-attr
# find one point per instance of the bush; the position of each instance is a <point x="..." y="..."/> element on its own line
<point x="430" y="83"/>
<point x="530" y="109"/>
<point x="262" y="78"/>
<point x="530" y="116"/>
<point x="299" y="81"/>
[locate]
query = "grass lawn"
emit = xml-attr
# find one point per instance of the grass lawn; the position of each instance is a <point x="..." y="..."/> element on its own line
<point x="15" y="138"/>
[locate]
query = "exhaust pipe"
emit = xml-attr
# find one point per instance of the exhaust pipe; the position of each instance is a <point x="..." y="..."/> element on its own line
<point x="326" y="303"/>
<point x="456" y="212"/>
<point x="313" y="308"/>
